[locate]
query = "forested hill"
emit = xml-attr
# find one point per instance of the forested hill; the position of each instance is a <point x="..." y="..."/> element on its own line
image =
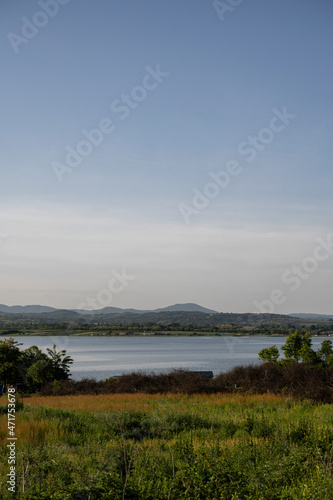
<point x="182" y="318"/>
<point x="179" y="315"/>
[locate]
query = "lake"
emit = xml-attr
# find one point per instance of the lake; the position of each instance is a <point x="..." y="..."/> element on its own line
<point x="102" y="357"/>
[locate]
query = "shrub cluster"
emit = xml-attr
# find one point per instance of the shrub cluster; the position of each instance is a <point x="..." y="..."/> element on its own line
<point x="295" y="379"/>
<point x="178" y="381"/>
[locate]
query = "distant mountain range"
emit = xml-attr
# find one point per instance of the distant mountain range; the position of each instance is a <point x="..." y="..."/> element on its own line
<point x="182" y="314"/>
<point x="188" y="307"/>
<point x="26" y="309"/>
<point x="36" y="309"/>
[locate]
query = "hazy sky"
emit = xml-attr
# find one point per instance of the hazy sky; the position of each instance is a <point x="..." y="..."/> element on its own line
<point x="156" y="152"/>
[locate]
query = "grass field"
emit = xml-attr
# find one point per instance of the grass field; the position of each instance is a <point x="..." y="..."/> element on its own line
<point x="174" y="446"/>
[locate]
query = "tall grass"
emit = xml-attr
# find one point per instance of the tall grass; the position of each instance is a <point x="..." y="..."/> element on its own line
<point x="148" y="402"/>
<point x="177" y="446"/>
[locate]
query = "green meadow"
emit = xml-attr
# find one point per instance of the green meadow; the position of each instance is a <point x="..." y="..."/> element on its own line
<point x="172" y="446"/>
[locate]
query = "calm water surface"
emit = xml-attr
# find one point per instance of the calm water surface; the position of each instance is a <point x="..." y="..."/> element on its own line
<point x="102" y="357"/>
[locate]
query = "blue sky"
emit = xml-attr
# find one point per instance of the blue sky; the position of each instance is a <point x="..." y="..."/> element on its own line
<point x="129" y="202"/>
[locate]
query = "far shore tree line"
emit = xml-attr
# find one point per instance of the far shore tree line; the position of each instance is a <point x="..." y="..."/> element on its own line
<point x="226" y="324"/>
<point x="14" y="329"/>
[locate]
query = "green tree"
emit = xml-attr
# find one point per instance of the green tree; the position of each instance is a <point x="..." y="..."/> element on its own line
<point x="29" y="357"/>
<point x="10" y="355"/>
<point x="31" y="366"/>
<point x="295" y="345"/>
<point x="298" y="348"/>
<point x="269" y="354"/>
<point x="309" y="356"/>
<point x="39" y="373"/>
<point x="60" y="363"/>
<point x="325" y="353"/>
<point x="32" y="354"/>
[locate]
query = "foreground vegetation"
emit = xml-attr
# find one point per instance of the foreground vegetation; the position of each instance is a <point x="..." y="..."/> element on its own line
<point x="256" y="432"/>
<point x="155" y="447"/>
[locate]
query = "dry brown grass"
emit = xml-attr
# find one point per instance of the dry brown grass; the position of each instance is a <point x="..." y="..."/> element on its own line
<point x="30" y="431"/>
<point x="146" y="402"/>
